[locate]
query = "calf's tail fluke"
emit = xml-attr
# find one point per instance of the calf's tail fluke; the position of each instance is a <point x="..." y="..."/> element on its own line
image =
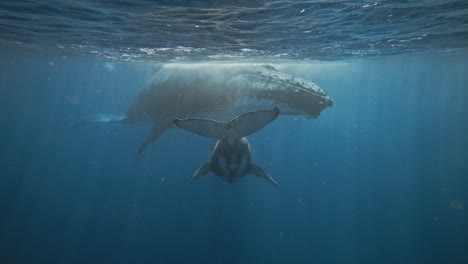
<point x="100" y="118"/>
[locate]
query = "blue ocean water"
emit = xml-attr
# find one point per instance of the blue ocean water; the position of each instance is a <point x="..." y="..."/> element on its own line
<point x="380" y="177"/>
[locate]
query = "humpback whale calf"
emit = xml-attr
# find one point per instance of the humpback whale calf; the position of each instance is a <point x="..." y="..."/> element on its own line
<point x="217" y="91"/>
<point x="231" y="158"/>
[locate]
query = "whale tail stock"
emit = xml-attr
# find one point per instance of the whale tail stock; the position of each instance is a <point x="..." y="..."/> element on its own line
<point x="235" y="129"/>
<point x="157" y="129"/>
<point x="100" y="118"/>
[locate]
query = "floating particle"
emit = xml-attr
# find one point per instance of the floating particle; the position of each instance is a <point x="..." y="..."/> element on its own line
<point x="73" y="99"/>
<point x="300" y="201"/>
<point x="109" y="66"/>
<point x="51" y="63"/>
<point x="372" y="207"/>
<point x="457" y="205"/>
<point x="287" y="236"/>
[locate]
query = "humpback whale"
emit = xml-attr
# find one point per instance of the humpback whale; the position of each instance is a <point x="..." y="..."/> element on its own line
<point x="217" y="91"/>
<point x="231" y="158"/>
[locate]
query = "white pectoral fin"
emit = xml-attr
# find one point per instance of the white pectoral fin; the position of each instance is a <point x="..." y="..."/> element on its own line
<point x="204" y="169"/>
<point x="251" y="122"/>
<point x="203" y="127"/>
<point x="100" y="118"/>
<point x="259" y="172"/>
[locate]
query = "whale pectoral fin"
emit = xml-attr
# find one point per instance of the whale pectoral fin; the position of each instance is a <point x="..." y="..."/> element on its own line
<point x="203" y="127"/>
<point x="251" y="122"/>
<point x="156" y="131"/>
<point x="204" y="169"/>
<point x="259" y="172"/>
<point x="100" y="118"/>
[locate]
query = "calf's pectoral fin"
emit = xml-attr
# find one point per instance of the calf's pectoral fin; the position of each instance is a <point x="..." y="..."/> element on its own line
<point x="259" y="172"/>
<point x="100" y="118"/>
<point x="204" y="169"/>
<point x="156" y="131"/>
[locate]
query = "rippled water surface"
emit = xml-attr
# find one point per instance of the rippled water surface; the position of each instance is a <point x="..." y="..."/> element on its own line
<point x="190" y="30"/>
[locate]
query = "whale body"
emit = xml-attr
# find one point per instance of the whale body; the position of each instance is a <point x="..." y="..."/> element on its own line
<point x="217" y="91"/>
<point x="231" y="159"/>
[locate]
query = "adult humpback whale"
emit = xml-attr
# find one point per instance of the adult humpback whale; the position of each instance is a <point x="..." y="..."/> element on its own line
<point x="231" y="158"/>
<point x="217" y="91"/>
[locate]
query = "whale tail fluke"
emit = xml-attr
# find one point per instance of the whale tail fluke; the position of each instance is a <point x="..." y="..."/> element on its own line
<point x="100" y="118"/>
<point x="235" y="129"/>
<point x="259" y="172"/>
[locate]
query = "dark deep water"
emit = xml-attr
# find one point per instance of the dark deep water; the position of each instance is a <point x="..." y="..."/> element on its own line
<point x="380" y="177"/>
